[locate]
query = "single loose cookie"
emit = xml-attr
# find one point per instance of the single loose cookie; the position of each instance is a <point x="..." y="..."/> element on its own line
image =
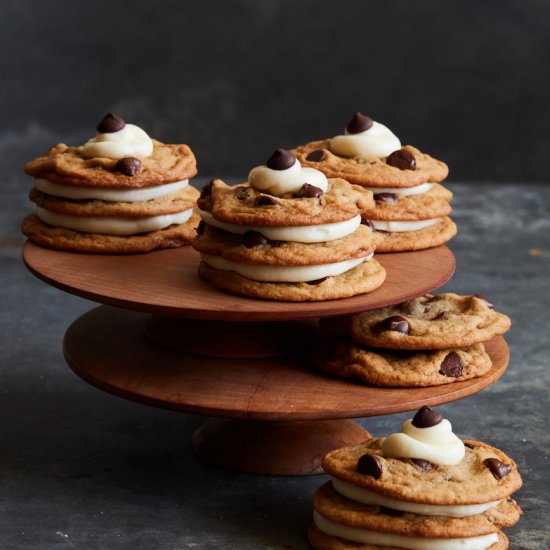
<point x="430" y="322"/>
<point x="392" y="368"/>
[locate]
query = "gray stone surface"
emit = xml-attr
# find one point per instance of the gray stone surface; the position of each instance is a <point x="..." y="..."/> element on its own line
<point x="85" y="470"/>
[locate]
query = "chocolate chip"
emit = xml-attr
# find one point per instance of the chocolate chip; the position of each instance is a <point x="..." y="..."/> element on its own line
<point x="370" y="465"/>
<point x="452" y="365"/>
<point x="368" y="223"/>
<point x="391" y="512"/>
<point x="201" y="227"/>
<point x="424" y="465"/>
<point x="110" y="123"/>
<point x="385" y="197"/>
<point x="309" y="191"/>
<point x="207" y="189"/>
<point x="497" y="468"/>
<point x="242" y="193"/>
<point x="253" y="238"/>
<point x="402" y="159"/>
<point x="281" y="159"/>
<point x="481" y="297"/>
<point x="264" y="200"/>
<point x="396" y="323"/>
<point x="470" y="445"/>
<point x="426" y="417"/>
<point x="316" y="156"/>
<point x="128" y="166"/>
<point x="316" y="281"/>
<point x="359" y="123"/>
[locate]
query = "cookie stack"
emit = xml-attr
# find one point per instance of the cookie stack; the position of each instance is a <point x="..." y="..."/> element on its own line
<point x="121" y="192"/>
<point x="420" y="489"/>
<point x="428" y="341"/>
<point x="287" y="234"/>
<point x="411" y="208"/>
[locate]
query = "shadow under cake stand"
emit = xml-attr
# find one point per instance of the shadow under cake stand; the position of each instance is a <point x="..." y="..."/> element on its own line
<point x="165" y="338"/>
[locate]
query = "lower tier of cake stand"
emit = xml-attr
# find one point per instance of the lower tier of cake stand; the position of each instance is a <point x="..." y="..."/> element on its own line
<point x="275" y="415"/>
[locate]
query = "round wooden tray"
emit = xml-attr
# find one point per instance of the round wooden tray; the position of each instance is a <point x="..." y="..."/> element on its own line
<point x="165" y="282"/>
<point x="106" y="348"/>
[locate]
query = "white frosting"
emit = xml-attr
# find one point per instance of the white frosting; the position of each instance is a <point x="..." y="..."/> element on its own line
<point x="376" y="538"/>
<point x="405" y="191"/>
<point x="112" y="225"/>
<point x="403" y="227"/>
<point x="110" y="195"/>
<point x="301" y="234"/>
<point x="131" y="141"/>
<point x="360" y="494"/>
<point x="279" y="182"/>
<point x="376" y="142"/>
<point x="436" y="444"/>
<point x="282" y="273"/>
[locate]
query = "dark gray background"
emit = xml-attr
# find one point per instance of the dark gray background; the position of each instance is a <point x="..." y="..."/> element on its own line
<point x="466" y="81"/>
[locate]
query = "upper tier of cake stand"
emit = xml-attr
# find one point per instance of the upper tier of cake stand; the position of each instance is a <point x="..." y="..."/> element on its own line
<point x="165" y="283"/>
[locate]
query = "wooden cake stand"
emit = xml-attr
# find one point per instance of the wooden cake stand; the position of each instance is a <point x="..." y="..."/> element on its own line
<point x="178" y="343"/>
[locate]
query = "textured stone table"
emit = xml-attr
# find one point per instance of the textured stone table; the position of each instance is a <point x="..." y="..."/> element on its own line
<point x="82" y="469"/>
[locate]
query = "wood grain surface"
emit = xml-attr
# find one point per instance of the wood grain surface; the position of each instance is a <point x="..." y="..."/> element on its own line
<point x="165" y="282"/>
<point x="107" y="348"/>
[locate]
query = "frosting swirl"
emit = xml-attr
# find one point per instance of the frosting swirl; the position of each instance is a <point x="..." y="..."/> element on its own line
<point x="288" y="180"/>
<point x="376" y="142"/>
<point x="128" y="141"/>
<point x="436" y="444"/>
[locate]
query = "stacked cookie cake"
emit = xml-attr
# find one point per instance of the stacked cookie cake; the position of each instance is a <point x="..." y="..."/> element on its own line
<point x="428" y="341"/>
<point x="287" y="234"/>
<point x="411" y="208"/>
<point x="420" y="489"/>
<point x="121" y="192"/>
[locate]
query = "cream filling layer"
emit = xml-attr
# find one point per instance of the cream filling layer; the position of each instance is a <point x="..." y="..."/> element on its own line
<point x="109" y="195"/>
<point x="130" y="141"/>
<point x="301" y="234"/>
<point x="376" y="538"/>
<point x="403" y="227"/>
<point x="405" y="191"/>
<point x="282" y="273"/>
<point x="112" y="225"/>
<point x="360" y="494"/>
<point x="436" y="444"/>
<point x="376" y="142"/>
<point x="279" y="182"/>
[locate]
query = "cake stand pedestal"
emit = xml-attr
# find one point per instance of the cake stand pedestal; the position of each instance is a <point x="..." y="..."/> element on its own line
<point x="174" y="342"/>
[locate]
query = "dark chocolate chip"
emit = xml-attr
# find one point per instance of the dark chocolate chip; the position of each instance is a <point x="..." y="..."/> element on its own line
<point x="242" y="193"/>
<point x="128" y="166"/>
<point x="386" y="197"/>
<point x="207" y="189"/>
<point x="481" y="297"/>
<point x="370" y="465"/>
<point x="264" y="200"/>
<point x="426" y="417"/>
<point x="201" y="227"/>
<point x="110" y="123"/>
<point x="396" y="323"/>
<point x="402" y="159"/>
<point x="253" y="238"/>
<point x="316" y="281"/>
<point x="452" y="365"/>
<point x="309" y="191"/>
<point x="424" y="465"/>
<point x="358" y="123"/>
<point x="497" y="468"/>
<point x="368" y="223"/>
<point x="470" y="445"/>
<point x="391" y="512"/>
<point x="281" y="159"/>
<point x="316" y="156"/>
